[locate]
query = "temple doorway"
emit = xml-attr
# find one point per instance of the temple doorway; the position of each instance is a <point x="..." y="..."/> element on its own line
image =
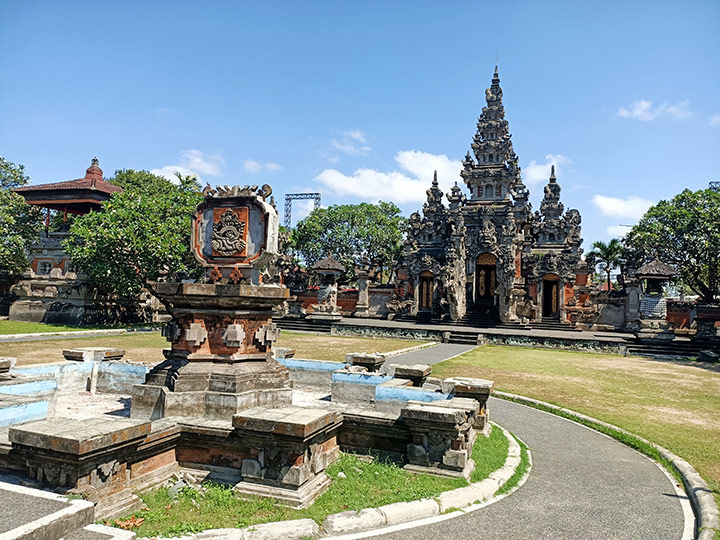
<point x="551" y="296"/>
<point x="426" y="291"/>
<point x="485" y="279"/>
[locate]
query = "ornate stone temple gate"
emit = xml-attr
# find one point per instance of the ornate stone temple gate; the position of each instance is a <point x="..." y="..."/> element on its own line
<point x="488" y="254"/>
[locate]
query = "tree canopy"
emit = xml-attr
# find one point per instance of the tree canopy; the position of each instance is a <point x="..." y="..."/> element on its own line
<point x="140" y="234"/>
<point x="19" y="222"/>
<point x="683" y="232"/>
<point x="351" y="232"/>
<point x="608" y="256"/>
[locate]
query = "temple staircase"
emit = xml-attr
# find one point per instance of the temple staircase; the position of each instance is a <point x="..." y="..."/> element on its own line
<point x="303" y="325"/>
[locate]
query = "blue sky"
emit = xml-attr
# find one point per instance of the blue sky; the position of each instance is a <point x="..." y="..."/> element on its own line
<point x="362" y="100"/>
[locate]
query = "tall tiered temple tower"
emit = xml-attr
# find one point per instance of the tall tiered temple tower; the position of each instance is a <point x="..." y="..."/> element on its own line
<point x="486" y="258"/>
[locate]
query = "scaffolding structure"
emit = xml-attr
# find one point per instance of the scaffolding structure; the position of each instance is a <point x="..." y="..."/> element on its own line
<point x="290" y="197"/>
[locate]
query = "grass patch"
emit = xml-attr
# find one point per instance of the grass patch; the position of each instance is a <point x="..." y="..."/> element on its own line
<point x="366" y="485"/>
<point x="333" y="348"/>
<point x="520" y="472"/>
<point x="148" y="346"/>
<point x="674" y="404"/>
<point x="20" y="327"/>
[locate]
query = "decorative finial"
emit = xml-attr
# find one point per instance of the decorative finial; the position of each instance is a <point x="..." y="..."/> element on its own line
<point x="95" y="162"/>
<point x="435" y="182"/>
<point x="552" y="174"/>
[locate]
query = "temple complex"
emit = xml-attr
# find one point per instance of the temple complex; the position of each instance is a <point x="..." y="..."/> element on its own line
<point x="486" y="257"/>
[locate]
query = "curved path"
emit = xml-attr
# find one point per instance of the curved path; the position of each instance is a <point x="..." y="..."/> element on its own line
<point x="582" y="485"/>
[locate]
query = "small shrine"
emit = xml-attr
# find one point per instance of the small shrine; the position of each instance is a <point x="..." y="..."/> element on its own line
<point x="328" y="270"/>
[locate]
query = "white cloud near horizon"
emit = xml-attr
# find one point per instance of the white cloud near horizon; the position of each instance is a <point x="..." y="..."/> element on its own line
<point x="631" y="207"/>
<point x="254" y="167"/>
<point x="644" y="111"/>
<point x="193" y="162"/>
<point x="537" y="173"/>
<point x="406" y="185"/>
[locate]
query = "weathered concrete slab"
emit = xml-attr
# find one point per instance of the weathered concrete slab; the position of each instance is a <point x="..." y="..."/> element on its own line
<point x="295" y="422"/>
<point x="75" y="436"/>
<point x="93" y="354"/>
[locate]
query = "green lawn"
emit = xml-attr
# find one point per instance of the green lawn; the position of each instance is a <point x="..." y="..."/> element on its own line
<point x="366" y="485"/>
<point x="674" y="404"/>
<point x="148" y="346"/>
<point x="19" y="327"/>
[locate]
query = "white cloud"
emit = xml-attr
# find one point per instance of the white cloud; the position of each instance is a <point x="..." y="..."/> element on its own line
<point x="715" y="120"/>
<point x="400" y="187"/>
<point x="352" y="142"/>
<point x="192" y="162"/>
<point x="164" y="112"/>
<point x="632" y="207"/>
<point x="537" y="173"/>
<point x="254" y="167"/>
<point x="643" y="110"/>
<point x="618" y="230"/>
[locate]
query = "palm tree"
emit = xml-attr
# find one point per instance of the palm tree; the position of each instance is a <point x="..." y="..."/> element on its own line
<point x="608" y="255"/>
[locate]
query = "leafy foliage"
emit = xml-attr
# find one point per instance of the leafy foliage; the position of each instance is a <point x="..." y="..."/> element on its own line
<point x="608" y="256"/>
<point x="683" y="232"/>
<point x="19" y="222"/>
<point x="351" y="232"/>
<point x="141" y="234"/>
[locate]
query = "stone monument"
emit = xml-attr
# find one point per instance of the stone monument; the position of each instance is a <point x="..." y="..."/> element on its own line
<point x="221" y="333"/>
<point x="328" y="271"/>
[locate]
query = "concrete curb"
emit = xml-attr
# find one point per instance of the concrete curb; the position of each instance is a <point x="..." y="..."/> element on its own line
<point x="707" y="516"/>
<point x="402" y="512"/>
<point x="383" y="516"/>
<point x="409" y="349"/>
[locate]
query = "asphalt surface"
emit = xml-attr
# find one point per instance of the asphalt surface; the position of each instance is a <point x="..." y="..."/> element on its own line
<point x="582" y="485"/>
<point x="431" y="355"/>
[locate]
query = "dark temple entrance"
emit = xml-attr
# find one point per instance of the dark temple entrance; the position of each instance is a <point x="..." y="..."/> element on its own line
<point x="485" y="280"/>
<point x="425" y="291"/>
<point x="551" y="296"/>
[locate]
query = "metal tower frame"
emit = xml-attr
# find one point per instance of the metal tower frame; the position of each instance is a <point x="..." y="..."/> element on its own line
<point x="290" y="197"/>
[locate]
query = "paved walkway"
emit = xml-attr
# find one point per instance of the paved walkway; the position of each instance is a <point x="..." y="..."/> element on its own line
<point x="582" y="485"/>
<point x="431" y="355"/>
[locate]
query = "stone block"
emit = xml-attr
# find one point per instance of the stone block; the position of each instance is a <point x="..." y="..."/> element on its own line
<point x="297" y="529"/>
<point x="416" y="373"/>
<point x="79" y="437"/>
<point x="456" y="459"/>
<point x="93" y="354"/>
<point x="294" y="422"/>
<point x="234" y="335"/>
<point x="251" y="468"/>
<point x="430" y="413"/>
<point x="708" y="356"/>
<point x="416" y="454"/>
<point x="6" y="364"/>
<point x="372" y="361"/>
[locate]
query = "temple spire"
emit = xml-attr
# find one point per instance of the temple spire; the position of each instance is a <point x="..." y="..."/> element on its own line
<point x="553" y="180"/>
<point x="435" y="180"/>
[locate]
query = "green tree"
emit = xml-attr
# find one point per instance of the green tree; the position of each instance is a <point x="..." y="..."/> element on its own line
<point x="683" y="232"/>
<point x="19" y="222"/>
<point x="350" y="232"/>
<point x="141" y="233"/>
<point x="607" y="256"/>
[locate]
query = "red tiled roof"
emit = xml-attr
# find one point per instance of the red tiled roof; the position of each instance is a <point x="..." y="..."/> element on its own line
<point x="93" y="180"/>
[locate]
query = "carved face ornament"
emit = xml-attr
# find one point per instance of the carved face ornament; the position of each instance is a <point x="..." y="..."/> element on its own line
<point x="227" y="236"/>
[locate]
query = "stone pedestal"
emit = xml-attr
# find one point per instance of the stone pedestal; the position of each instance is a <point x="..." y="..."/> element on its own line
<point x="442" y="436"/>
<point x="221" y="357"/>
<point x="417" y="374"/>
<point x="93" y="354"/>
<point x="477" y="389"/>
<point x="290" y="448"/>
<point x="371" y="361"/>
